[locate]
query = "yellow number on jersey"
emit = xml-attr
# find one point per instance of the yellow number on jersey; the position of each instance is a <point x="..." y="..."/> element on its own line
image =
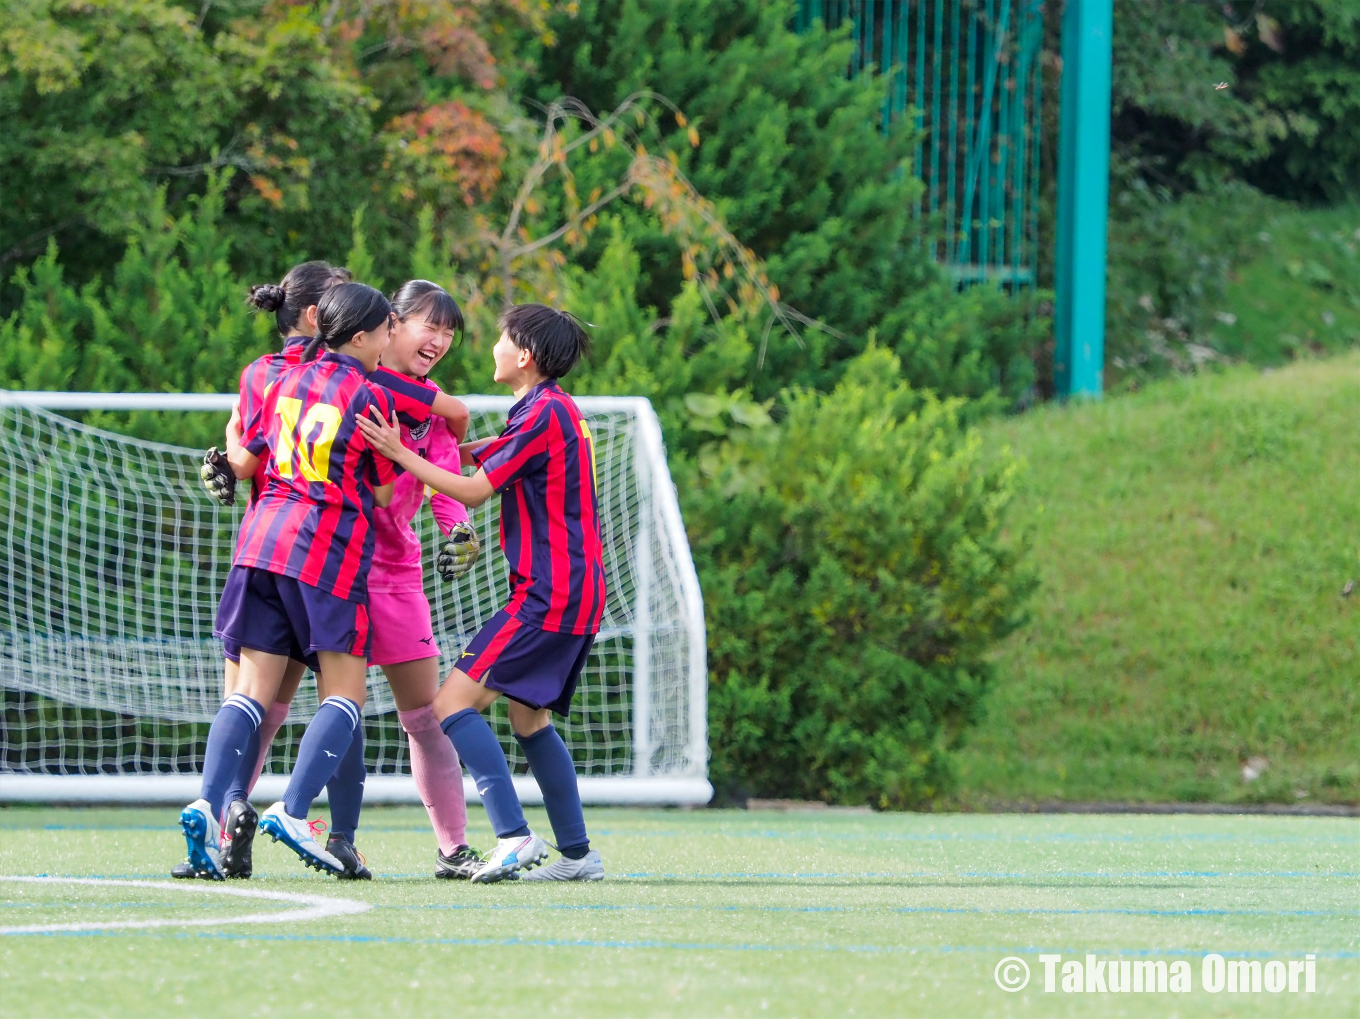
<point x="315" y="464"/>
<point x="590" y="442"/>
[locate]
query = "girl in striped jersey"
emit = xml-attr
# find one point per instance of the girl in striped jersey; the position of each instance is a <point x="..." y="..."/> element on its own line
<point x="293" y="302"/>
<point x="299" y="579"/>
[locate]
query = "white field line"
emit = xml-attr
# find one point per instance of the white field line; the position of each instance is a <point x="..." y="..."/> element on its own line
<point x="318" y="906"/>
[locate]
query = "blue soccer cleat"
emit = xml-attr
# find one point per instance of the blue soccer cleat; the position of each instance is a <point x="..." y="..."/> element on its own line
<point x="296" y="834"/>
<point x="522" y="852"/>
<point x="203" y="836"/>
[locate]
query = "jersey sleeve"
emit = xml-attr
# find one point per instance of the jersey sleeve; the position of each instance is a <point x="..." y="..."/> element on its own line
<point x="380" y="470"/>
<point x="518" y="451"/>
<point x="254" y="435"/>
<point x="251" y="405"/>
<point x="414" y="400"/>
<point x="443" y="452"/>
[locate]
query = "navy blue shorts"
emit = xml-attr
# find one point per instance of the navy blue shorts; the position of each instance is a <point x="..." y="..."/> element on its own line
<point x="529" y="665"/>
<point x="283" y="616"/>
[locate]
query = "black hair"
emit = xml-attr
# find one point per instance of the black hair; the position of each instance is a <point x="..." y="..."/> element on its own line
<point x="556" y="339"/>
<point x="296" y="292"/>
<point x="344" y="310"/>
<point x="431" y="302"/>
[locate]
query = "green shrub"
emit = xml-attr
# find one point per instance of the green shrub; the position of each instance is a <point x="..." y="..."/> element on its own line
<point x="856" y="570"/>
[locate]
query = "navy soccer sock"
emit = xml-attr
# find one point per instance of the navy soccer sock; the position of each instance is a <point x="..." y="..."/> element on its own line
<point x="228" y="741"/>
<point x="325" y="742"/>
<point x="485" y="761"/>
<point x="240" y="782"/>
<point x="550" y="761"/>
<point x="346" y="788"/>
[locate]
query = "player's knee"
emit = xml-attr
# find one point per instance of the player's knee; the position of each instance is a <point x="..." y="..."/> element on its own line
<point x="460" y="692"/>
<point x="526" y="720"/>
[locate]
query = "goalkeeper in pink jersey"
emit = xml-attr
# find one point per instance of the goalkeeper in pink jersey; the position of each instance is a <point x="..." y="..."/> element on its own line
<point x="399" y="613"/>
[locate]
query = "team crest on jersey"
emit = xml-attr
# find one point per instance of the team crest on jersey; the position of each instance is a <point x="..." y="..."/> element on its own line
<point x="421" y="430"/>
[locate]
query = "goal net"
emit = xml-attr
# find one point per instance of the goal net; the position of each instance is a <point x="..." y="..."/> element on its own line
<point x="112" y="558"/>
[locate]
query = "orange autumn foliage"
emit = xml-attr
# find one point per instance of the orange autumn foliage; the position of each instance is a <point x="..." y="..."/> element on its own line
<point x="450" y="145"/>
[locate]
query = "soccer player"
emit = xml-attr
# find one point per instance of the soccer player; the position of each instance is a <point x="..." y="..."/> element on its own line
<point x="399" y="613"/>
<point x="533" y="650"/>
<point x="293" y="302"/>
<point x="299" y="577"/>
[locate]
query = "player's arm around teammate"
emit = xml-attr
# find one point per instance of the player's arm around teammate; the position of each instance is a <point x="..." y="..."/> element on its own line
<point x="533" y="650"/>
<point x="301" y="568"/>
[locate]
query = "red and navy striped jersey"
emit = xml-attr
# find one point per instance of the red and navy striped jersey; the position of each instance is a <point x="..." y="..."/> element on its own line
<point x="414" y="398"/>
<point x="314" y="519"/>
<point x="255" y="379"/>
<point x="543" y="464"/>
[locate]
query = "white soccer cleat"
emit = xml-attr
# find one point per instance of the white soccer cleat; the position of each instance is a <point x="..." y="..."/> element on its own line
<point x="588" y="868"/>
<point x="203" y="836"/>
<point x="296" y="834"/>
<point x="510" y="856"/>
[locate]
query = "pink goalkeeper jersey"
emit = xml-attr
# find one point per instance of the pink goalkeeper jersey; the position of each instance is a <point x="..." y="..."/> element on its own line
<point x="397" y="554"/>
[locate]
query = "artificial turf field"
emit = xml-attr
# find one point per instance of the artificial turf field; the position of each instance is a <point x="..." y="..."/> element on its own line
<point x="704" y="913"/>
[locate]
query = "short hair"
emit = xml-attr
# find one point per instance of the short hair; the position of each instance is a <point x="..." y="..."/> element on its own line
<point x="431" y="302"/>
<point x="300" y="289"/>
<point x="556" y="339"/>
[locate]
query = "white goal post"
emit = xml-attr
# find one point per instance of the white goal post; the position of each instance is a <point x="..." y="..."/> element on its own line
<point x="112" y="557"/>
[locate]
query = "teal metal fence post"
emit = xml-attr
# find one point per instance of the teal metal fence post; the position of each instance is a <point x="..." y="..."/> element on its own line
<point x="1083" y="197"/>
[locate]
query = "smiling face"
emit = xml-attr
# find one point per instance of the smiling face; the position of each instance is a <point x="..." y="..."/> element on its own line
<point x="417" y="346"/>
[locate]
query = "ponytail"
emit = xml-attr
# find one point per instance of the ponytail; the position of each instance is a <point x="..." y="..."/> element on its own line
<point x="303" y="287"/>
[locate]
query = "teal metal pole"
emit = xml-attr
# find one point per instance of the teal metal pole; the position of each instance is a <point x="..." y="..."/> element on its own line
<point x="1083" y="197"/>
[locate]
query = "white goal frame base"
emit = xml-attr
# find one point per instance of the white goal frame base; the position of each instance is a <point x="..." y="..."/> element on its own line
<point x="599" y="791"/>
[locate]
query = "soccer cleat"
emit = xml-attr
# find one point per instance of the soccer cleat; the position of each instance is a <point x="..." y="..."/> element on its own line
<point x="184" y="870"/>
<point x="521" y="852"/>
<point x="343" y="850"/>
<point x="588" y="868"/>
<point x="296" y="834"/>
<point x="238" y="835"/>
<point x="203" y="836"/>
<point x="459" y="865"/>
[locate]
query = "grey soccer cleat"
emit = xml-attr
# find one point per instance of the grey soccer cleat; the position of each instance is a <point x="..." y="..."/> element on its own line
<point x="459" y="865"/>
<point x="588" y="868"/>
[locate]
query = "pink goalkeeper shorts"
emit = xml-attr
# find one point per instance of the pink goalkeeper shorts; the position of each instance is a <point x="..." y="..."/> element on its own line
<point x="399" y="625"/>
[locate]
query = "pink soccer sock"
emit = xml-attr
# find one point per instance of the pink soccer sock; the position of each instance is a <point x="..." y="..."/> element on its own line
<point x="269" y="728"/>
<point x="439" y="779"/>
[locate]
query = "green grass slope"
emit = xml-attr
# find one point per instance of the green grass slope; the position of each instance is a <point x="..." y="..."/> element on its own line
<point x="1299" y="292"/>
<point x="1194" y="541"/>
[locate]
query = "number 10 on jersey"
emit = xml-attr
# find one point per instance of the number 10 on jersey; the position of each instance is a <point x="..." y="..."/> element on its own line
<point x="312" y="459"/>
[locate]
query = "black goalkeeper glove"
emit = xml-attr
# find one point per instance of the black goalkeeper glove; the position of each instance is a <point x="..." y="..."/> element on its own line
<point x="218" y="478"/>
<point x="459" y="553"/>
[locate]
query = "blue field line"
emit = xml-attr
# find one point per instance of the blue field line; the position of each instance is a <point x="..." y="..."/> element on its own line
<point x="685" y="946"/>
<point x="943" y="910"/>
<point x="812" y="833"/>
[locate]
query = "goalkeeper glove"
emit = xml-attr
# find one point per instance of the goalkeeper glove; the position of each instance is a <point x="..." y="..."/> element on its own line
<point x="218" y="478"/>
<point x="459" y="553"/>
